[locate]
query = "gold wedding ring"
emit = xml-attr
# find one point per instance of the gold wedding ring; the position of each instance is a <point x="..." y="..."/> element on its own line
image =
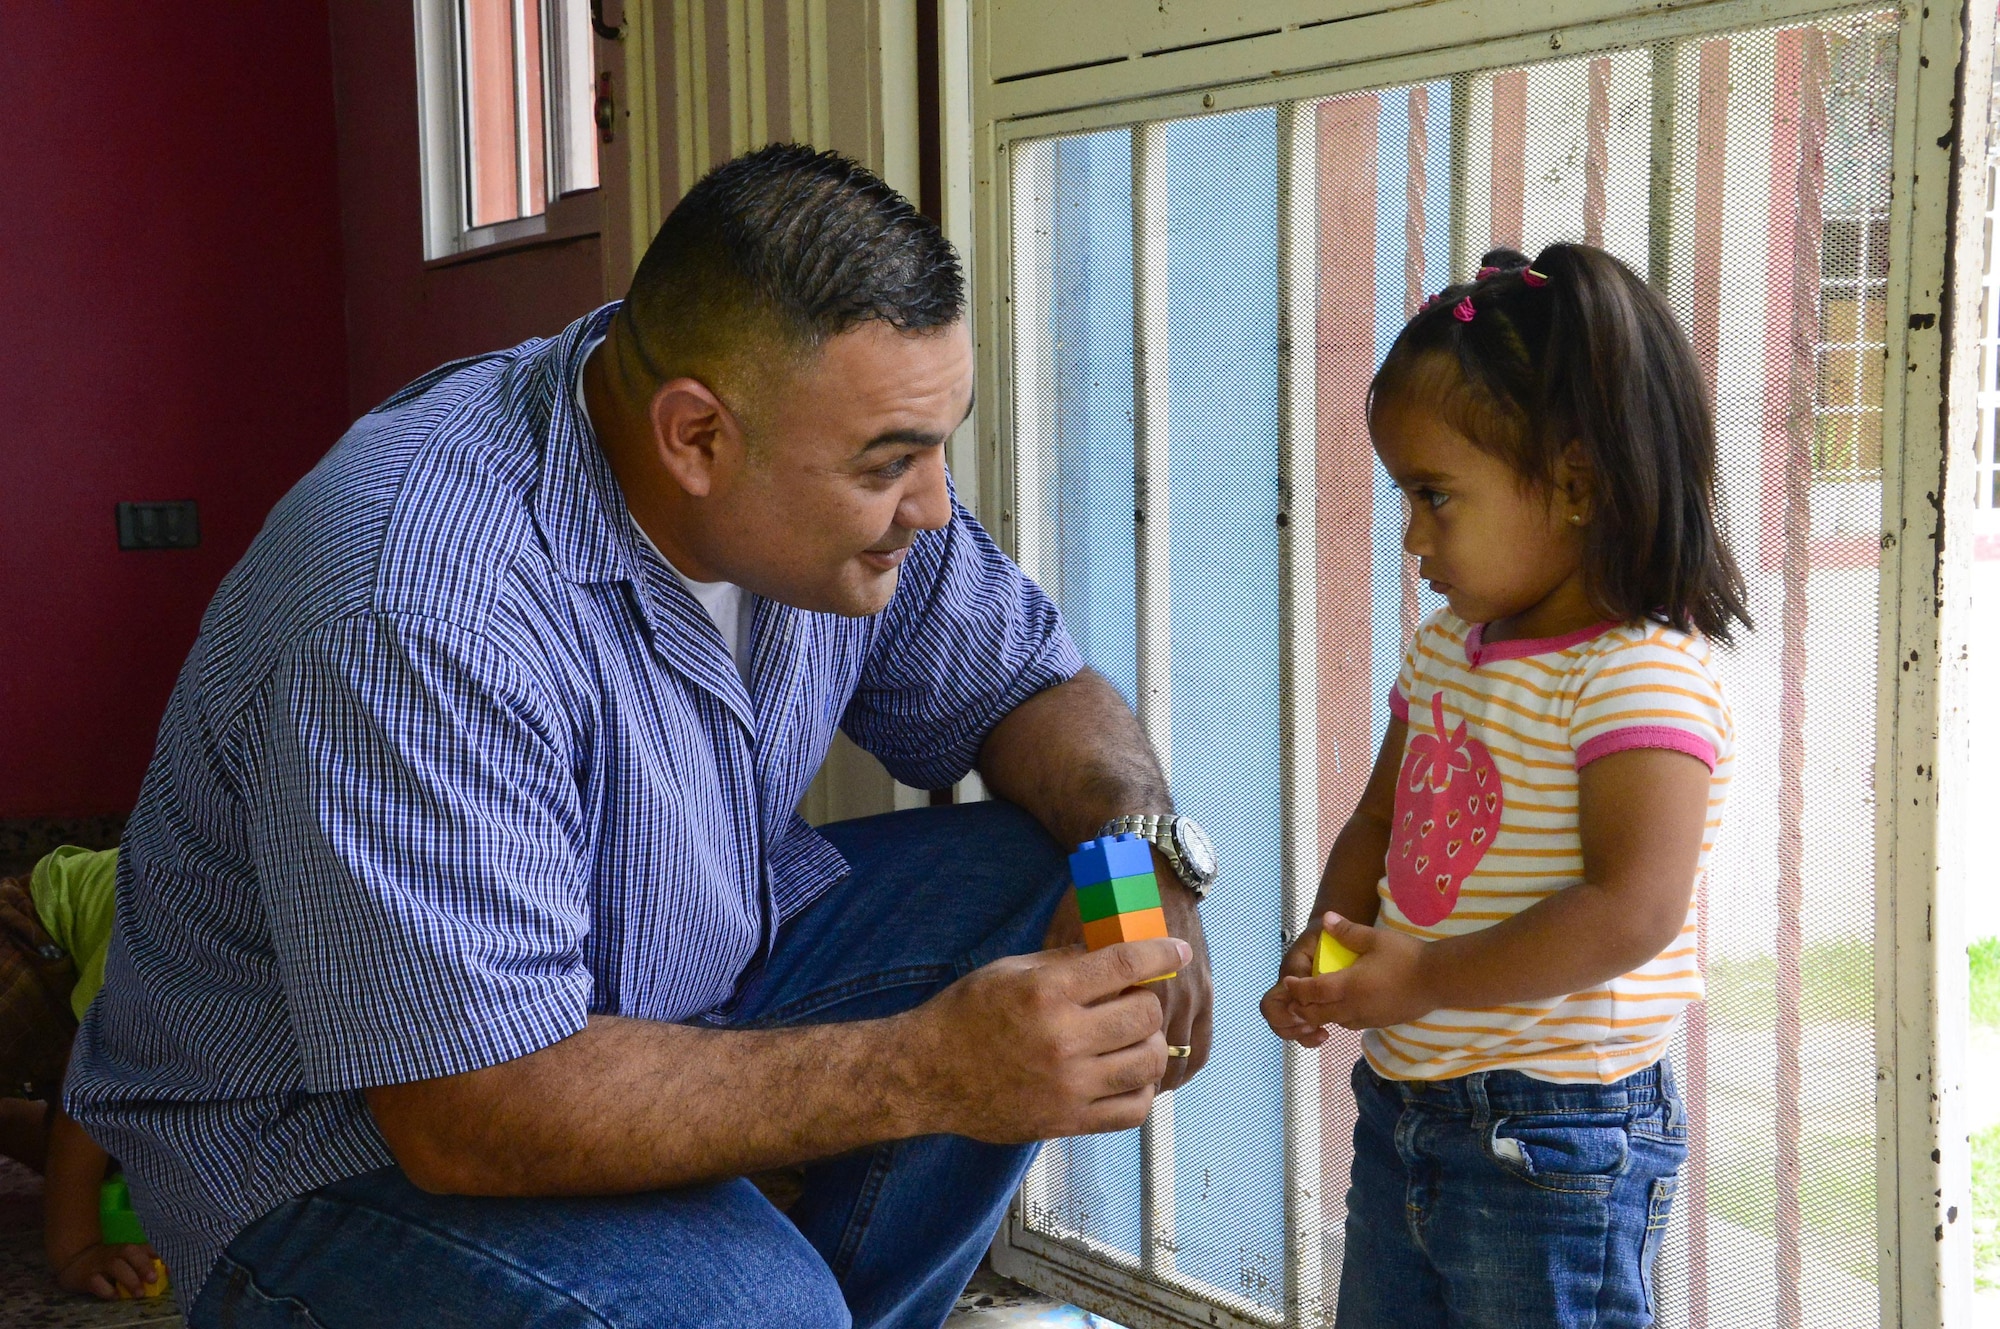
<point x="1175" y="1050"/>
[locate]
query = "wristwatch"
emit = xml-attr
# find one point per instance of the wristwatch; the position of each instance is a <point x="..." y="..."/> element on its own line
<point x="1186" y="846"/>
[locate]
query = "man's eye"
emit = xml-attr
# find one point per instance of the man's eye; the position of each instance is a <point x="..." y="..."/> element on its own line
<point x="896" y="469"/>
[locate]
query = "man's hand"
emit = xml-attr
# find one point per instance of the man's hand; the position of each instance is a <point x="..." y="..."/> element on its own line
<point x="1037" y="1046"/>
<point x="1187" y="1000"/>
<point x="1075" y="757"/>
<point x="1388" y="984"/>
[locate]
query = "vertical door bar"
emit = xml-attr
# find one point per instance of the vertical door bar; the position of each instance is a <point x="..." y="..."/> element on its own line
<point x="1510" y="154"/>
<point x="1596" y="152"/>
<point x="1415" y="263"/>
<point x="1152" y="515"/>
<point x="1660" y="179"/>
<point x="1298" y="664"/>
<point x="1463" y="261"/>
<point x="1945" y="79"/>
<point x="1711" y="160"/>
<point x="1808" y="57"/>
<point x="1349" y="199"/>
<point x="1032" y="181"/>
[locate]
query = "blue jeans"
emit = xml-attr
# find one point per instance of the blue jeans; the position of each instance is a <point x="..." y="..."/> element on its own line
<point x="1497" y="1200"/>
<point x="885" y="1236"/>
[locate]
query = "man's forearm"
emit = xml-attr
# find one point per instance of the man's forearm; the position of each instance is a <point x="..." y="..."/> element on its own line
<point x="631" y="1105"/>
<point x="1074" y="757"/>
<point x="1026" y="1048"/>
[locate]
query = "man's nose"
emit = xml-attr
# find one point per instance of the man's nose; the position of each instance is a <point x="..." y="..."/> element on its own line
<point x="926" y="504"/>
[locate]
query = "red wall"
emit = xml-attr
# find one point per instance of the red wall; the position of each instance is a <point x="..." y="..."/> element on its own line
<point x="170" y="328"/>
<point x="405" y="316"/>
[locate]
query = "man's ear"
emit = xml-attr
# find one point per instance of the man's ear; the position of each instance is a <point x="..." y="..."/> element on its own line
<point x="692" y="429"/>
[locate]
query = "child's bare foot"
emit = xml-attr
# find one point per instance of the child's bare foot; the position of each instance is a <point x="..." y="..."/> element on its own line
<point x="111" y="1272"/>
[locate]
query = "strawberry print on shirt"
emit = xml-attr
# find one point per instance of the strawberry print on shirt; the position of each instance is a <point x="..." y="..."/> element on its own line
<point x="1508" y="728"/>
<point x="1448" y="805"/>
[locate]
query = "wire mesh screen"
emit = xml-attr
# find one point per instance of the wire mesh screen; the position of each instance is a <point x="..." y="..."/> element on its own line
<point x="1175" y="284"/>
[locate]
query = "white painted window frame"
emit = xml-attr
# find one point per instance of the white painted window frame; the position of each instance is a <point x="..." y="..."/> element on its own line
<point x="570" y="134"/>
<point x="1929" y="426"/>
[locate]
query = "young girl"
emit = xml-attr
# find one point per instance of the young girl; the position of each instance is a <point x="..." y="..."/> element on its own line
<point x="1517" y="881"/>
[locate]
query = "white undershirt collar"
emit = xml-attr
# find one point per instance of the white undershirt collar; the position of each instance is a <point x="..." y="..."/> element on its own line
<point x="725" y="601"/>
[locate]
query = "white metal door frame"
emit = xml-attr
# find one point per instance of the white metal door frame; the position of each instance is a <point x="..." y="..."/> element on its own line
<point x="1945" y="58"/>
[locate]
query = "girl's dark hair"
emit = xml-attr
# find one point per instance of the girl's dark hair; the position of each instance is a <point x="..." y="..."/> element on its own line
<point x="1574" y="350"/>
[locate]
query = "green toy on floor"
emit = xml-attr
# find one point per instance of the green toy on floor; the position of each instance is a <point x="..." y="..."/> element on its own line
<point x="55" y="928"/>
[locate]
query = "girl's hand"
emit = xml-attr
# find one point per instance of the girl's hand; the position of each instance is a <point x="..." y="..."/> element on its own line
<point x="1277" y="1007"/>
<point x="1387" y="985"/>
<point x="113" y="1271"/>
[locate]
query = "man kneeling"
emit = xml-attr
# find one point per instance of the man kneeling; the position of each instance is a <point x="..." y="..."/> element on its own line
<point x="470" y="950"/>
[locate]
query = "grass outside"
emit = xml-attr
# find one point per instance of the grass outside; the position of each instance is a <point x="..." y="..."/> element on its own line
<point x="1836" y="982"/>
<point x="1984" y="961"/>
<point x="1836" y="1167"/>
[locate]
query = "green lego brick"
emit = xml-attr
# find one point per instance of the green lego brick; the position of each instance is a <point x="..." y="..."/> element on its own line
<point x="1126" y="895"/>
<point x="120" y="1226"/>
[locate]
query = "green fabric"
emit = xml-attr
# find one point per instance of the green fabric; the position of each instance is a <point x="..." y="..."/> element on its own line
<point x="74" y="890"/>
<point x="1125" y="895"/>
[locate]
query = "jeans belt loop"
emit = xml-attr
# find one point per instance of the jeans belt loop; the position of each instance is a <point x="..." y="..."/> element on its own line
<point x="1475" y="1089"/>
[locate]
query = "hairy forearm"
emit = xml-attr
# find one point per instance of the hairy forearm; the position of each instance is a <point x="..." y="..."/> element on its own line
<point x="1074" y="757"/>
<point x="1570" y="942"/>
<point x="630" y="1105"/>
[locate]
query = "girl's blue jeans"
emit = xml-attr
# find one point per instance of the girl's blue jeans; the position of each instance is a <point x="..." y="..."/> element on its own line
<point x="1498" y="1201"/>
<point x="885" y="1236"/>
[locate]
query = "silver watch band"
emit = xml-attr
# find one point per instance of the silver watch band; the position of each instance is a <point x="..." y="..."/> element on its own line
<point x="1157" y="830"/>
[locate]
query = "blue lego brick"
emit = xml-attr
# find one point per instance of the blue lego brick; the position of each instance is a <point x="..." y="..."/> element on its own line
<point x="1110" y="858"/>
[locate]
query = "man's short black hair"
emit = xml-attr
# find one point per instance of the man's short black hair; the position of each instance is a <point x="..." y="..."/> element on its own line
<point x="778" y="251"/>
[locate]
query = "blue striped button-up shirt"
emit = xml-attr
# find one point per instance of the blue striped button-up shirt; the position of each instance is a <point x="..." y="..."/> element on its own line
<point x="457" y="760"/>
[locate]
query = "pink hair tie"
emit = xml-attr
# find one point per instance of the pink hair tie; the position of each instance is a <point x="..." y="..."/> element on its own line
<point x="1488" y="271"/>
<point x="1533" y="278"/>
<point x="1463" y="310"/>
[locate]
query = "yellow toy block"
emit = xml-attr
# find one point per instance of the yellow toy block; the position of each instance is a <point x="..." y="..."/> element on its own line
<point x="1332" y="956"/>
<point x="157" y="1287"/>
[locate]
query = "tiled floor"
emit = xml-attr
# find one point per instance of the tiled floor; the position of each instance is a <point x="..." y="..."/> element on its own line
<point x="30" y="1300"/>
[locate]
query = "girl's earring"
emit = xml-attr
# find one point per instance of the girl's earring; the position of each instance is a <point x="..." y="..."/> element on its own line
<point x="1576" y="519"/>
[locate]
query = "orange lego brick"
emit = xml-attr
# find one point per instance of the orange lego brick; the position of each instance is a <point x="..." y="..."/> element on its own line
<point x="1139" y="925"/>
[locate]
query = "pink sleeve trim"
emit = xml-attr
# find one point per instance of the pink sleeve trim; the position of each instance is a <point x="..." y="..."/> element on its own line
<point x="1647" y="736"/>
<point x="1399" y="705"/>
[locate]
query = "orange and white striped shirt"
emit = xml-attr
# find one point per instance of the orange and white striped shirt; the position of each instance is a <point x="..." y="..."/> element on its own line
<point x="1485" y="825"/>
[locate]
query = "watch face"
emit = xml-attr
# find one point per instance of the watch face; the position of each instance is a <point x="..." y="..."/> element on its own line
<point x="1195" y="849"/>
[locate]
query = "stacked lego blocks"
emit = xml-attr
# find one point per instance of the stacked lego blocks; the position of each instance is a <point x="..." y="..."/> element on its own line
<point x="1117" y="893"/>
